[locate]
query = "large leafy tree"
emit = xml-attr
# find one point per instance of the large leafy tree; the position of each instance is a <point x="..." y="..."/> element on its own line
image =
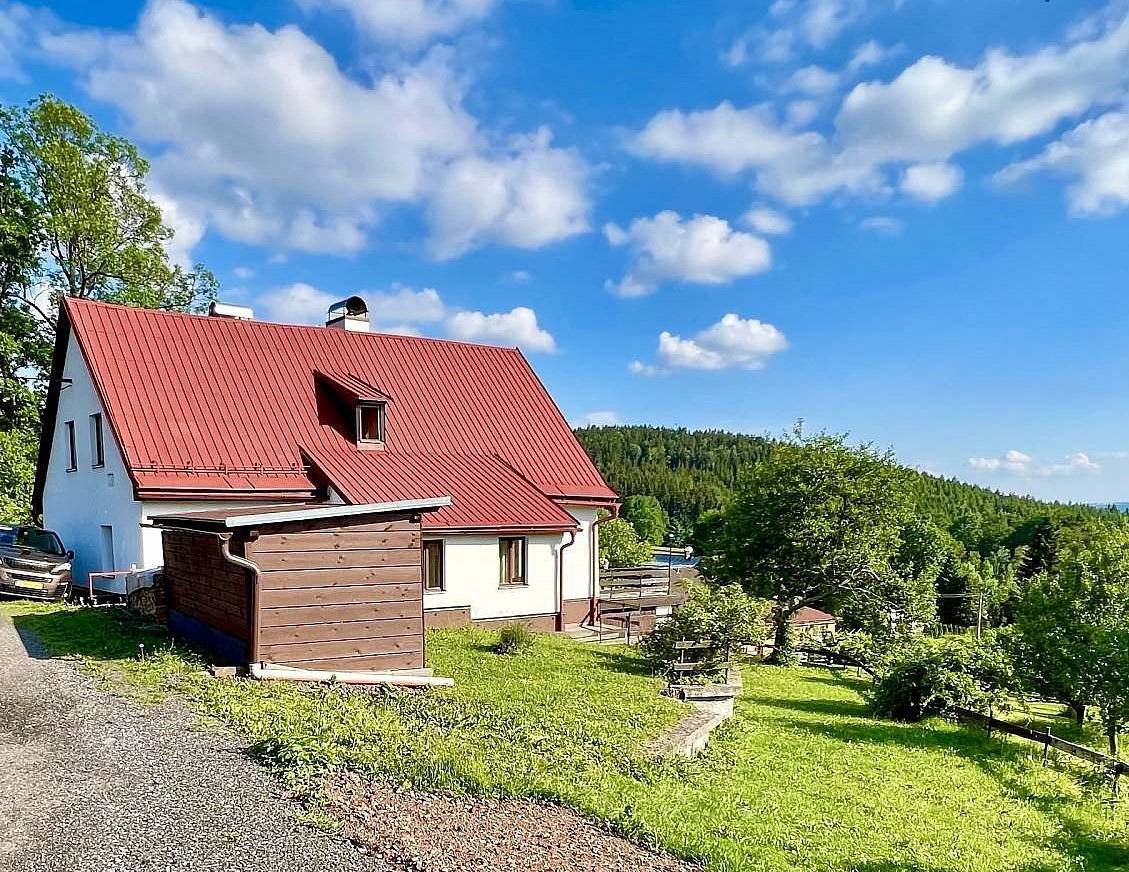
<point x="99" y="234"/>
<point x="1072" y="628"/>
<point x="647" y="517"/>
<point x="820" y="522"/>
<point x="75" y="220"/>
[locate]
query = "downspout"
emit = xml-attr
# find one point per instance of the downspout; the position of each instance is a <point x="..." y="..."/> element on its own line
<point x="256" y="577"/>
<point x="242" y="563"/>
<point x="594" y="551"/>
<point x="560" y="579"/>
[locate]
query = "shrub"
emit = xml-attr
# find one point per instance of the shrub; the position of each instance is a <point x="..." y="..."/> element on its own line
<point x="724" y="616"/>
<point x="620" y="545"/>
<point x="934" y="676"/>
<point x="514" y="639"/>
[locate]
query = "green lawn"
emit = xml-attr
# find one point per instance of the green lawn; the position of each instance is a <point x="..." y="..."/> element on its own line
<point x="802" y="779"/>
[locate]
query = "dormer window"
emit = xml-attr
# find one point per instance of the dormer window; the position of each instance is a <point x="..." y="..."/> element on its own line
<point x="370" y="423"/>
<point x="356" y="408"/>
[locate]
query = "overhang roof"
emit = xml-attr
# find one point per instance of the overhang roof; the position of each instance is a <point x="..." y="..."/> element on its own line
<point x="286" y="514"/>
<point x="223" y="407"/>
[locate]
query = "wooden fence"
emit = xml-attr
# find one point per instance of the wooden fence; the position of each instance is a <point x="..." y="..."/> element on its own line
<point x="1048" y="740"/>
<point x="1114" y="766"/>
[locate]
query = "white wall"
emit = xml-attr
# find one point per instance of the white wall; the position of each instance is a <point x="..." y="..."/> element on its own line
<point x="471" y="576"/>
<point x="76" y="504"/>
<point x="151" y="552"/>
<point x="579" y="560"/>
<point x="471" y="567"/>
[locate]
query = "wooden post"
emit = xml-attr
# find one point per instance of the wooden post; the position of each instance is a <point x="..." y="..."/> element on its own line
<point x="1046" y="747"/>
<point x="989" y="722"/>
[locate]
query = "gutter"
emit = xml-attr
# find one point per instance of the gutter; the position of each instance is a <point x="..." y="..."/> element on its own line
<point x="560" y="579"/>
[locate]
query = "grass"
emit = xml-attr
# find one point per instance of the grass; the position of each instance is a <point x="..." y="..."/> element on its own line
<point x="802" y="779"/>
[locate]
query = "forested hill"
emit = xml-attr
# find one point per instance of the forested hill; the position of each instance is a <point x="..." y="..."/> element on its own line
<point x="692" y="471"/>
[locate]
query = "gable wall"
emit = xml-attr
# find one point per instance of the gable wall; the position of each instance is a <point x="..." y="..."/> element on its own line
<point x="77" y="503"/>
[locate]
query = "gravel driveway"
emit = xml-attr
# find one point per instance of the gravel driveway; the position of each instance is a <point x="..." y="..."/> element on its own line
<point x="92" y="782"/>
<point x="89" y="781"/>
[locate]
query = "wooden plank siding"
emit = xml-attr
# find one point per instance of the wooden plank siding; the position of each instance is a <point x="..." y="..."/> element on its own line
<point x="204" y="586"/>
<point x="341" y="594"/>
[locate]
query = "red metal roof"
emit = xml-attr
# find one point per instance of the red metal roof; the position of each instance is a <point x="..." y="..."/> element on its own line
<point x="205" y="405"/>
<point x="486" y="493"/>
<point x="808" y="615"/>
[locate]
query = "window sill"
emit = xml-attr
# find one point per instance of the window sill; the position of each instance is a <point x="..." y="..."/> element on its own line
<point x="72" y="469"/>
<point x="428" y="590"/>
<point x="514" y="586"/>
<point x="98" y="466"/>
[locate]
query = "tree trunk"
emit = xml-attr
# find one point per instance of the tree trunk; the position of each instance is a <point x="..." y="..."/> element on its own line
<point x="782" y="642"/>
<point x="1079" y="709"/>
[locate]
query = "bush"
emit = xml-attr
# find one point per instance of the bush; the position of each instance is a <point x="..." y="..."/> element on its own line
<point x="724" y="616"/>
<point x="514" y="639"/>
<point x="620" y="545"/>
<point x="934" y="676"/>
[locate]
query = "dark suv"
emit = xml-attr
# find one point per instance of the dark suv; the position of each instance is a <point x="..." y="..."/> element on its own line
<point x="33" y="563"/>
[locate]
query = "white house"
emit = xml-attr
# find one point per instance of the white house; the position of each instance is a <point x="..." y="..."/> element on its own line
<point x="153" y="413"/>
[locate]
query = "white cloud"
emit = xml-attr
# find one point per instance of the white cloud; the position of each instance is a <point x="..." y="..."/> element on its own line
<point x="813" y="80"/>
<point x="409" y="23"/>
<point x="297" y="303"/>
<point x="800" y="113"/>
<point x="935" y="109"/>
<point x="1022" y="464"/>
<point x="768" y="221"/>
<point x="646" y="369"/>
<point x="408" y="312"/>
<point x="702" y="250"/>
<point x="404" y="305"/>
<point x="823" y="20"/>
<point x="882" y="224"/>
<point x="606" y="418"/>
<point x="1095" y="155"/>
<point x="517" y="327"/>
<point x="790" y="26"/>
<point x="528" y="198"/>
<point x="14" y="21"/>
<point x="925" y="116"/>
<point x="798" y="167"/>
<point x="521" y="276"/>
<point x="869" y="54"/>
<point x="259" y="135"/>
<point x="731" y="343"/>
<point x="243" y="272"/>
<point x="763" y="46"/>
<point x="931" y="182"/>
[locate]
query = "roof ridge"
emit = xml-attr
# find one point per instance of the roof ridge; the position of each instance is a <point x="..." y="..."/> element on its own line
<point x="257" y="323"/>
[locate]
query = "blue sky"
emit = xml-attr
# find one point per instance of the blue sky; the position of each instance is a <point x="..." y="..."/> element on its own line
<point x="905" y="220"/>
